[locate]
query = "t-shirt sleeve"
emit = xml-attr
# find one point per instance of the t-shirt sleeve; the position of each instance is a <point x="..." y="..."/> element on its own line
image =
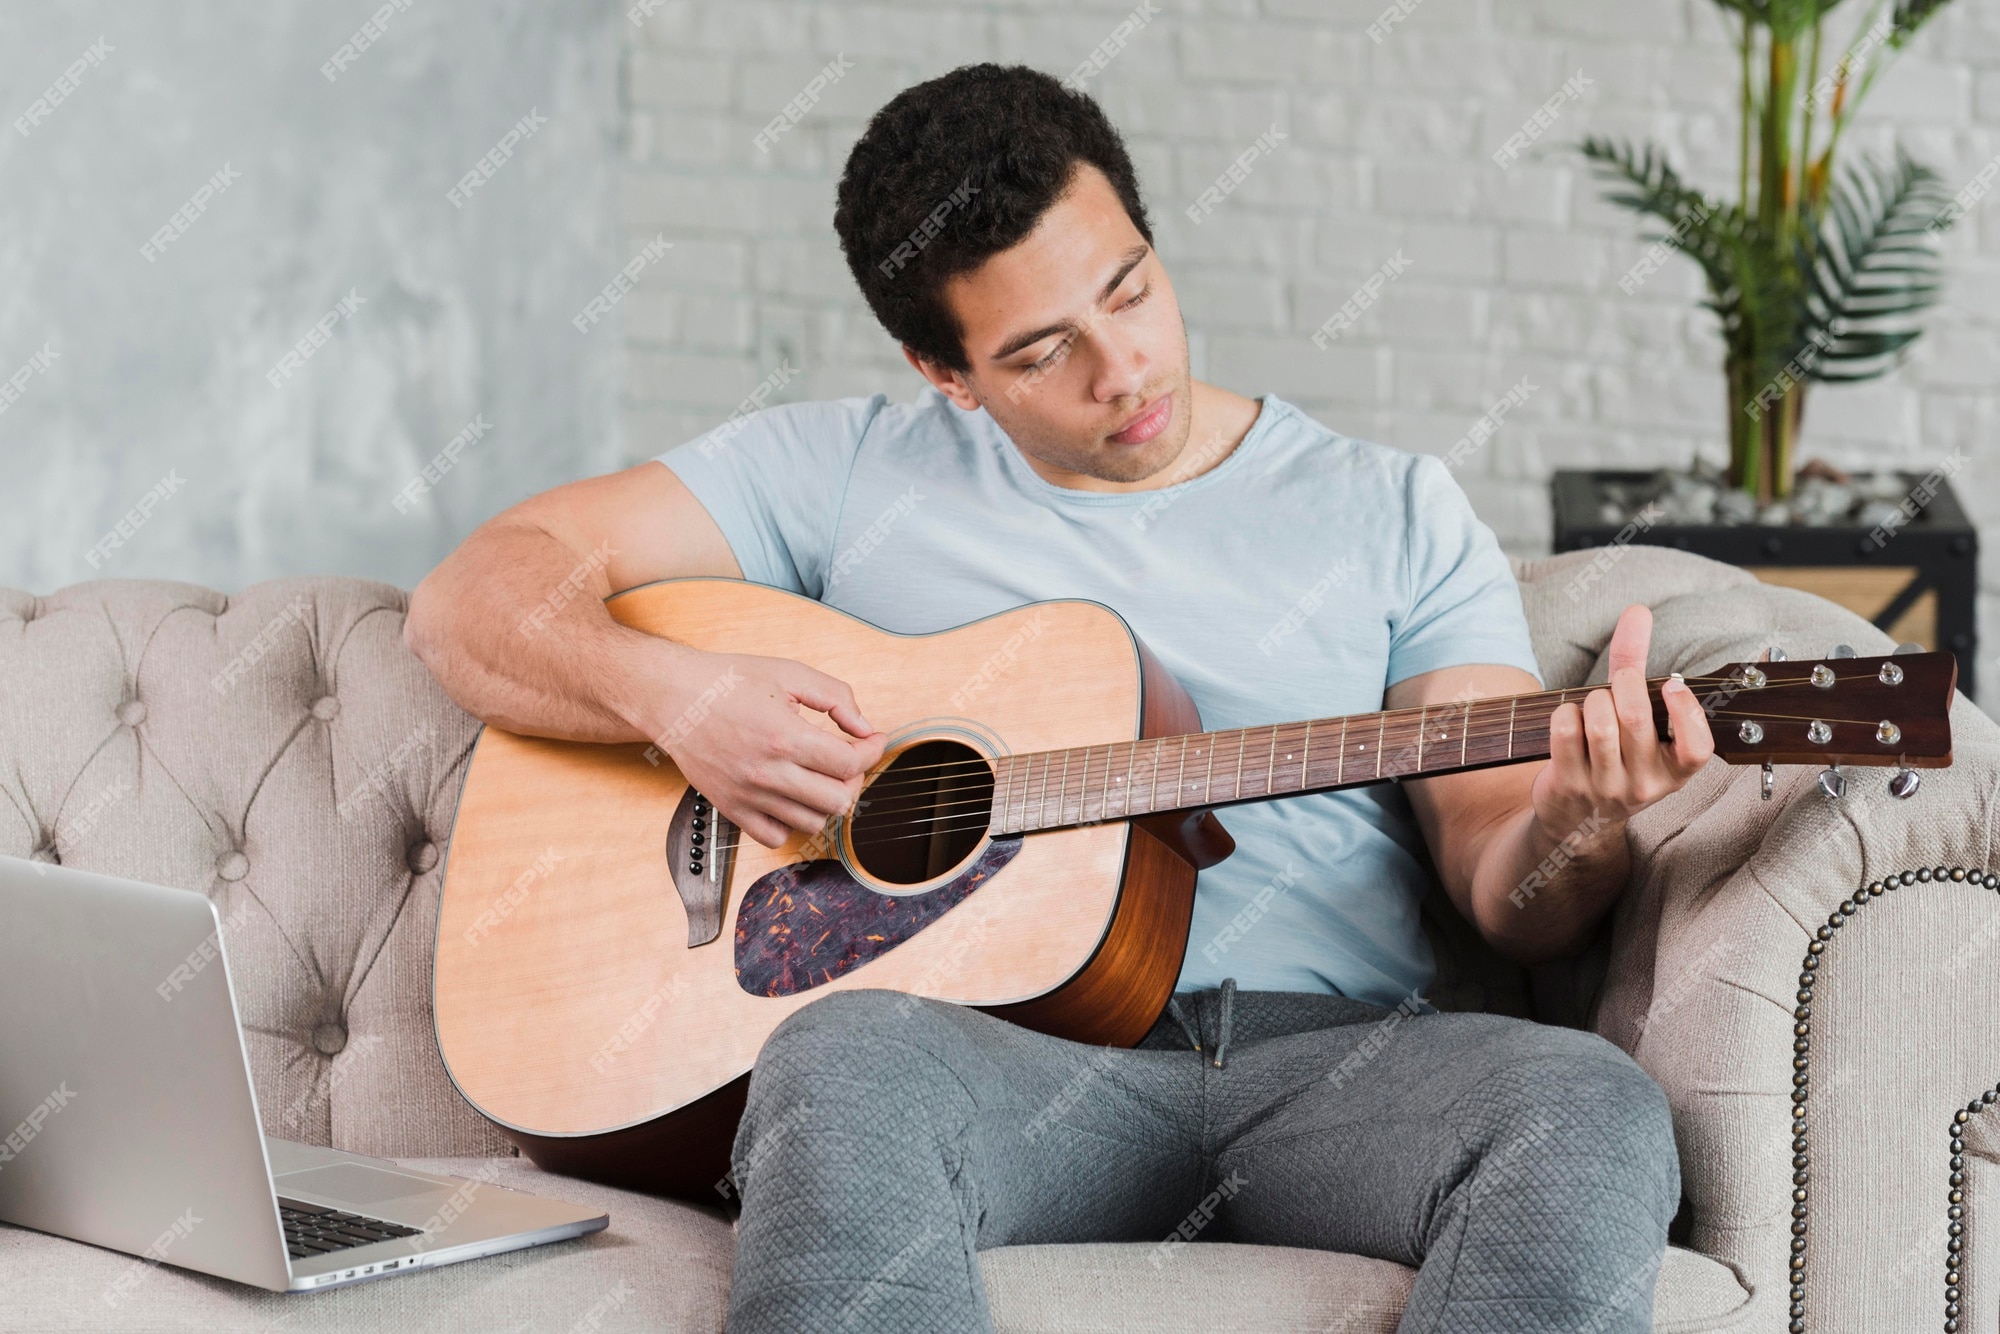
<point x="774" y="480"/>
<point x="1463" y="605"/>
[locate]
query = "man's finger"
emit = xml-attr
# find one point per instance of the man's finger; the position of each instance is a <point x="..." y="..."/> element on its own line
<point x="1630" y="640"/>
<point x="1601" y="730"/>
<point x="1693" y="742"/>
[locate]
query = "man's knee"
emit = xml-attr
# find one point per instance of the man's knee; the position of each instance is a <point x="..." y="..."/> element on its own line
<point x="1557" y="1100"/>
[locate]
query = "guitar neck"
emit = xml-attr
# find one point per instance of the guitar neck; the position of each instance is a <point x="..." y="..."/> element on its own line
<point x="1059" y="789"/>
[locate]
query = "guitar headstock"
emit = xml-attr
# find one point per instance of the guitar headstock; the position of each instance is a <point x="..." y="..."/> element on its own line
<point x="1892" y="711"/>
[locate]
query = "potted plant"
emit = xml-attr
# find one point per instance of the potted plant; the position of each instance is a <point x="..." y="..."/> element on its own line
<point x="1818" y="271"/>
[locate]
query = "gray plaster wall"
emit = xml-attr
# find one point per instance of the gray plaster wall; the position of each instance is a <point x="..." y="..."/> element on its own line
<point x="335" y="188"/>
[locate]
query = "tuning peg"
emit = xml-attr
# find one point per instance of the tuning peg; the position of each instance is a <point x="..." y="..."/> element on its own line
<point x="1775" y="654"/>
<point x="1832" y="783"/>
<point x="1768" y="781"/>
<point x="1842" y="651"/>
<point x="1903" y="784"/>
<point x="1910" y="646"/>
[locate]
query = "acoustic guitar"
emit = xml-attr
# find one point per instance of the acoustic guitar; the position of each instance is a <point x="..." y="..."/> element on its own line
<point x="611" y="953"/>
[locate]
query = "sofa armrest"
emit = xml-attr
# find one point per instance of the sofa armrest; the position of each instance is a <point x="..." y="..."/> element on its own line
<point x="1808" y="963"/>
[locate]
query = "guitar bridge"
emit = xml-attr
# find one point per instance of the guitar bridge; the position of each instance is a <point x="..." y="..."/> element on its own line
<point x="701" y="847"/>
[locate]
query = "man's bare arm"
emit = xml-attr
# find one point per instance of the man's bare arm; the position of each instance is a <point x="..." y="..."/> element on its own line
<point x="1535" y="854"/>
<point x="514" y="627"/>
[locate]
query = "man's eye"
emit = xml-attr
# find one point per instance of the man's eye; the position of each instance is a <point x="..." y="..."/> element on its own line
<point x="1055" y="355"/>
<point x="1144" y="292"/>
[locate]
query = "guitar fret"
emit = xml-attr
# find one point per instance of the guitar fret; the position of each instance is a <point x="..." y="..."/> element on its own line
<point x="1340" y="764"/>
<point x="1131" y="753"/>
<point x="1423" y="725"/>
<point x="1512" y="705"/>
<point x="1271" y="767"/>
<point x="1242" y="737"/>
<point x="1180" y="779"/>
<point x="1062" y="792"/>
<point x="1381" y="732"/>
<point x="1305" y="756"/>
<point x="1464" y="731"/>
<point x="1083" y="786"/>
<point x="1208" y="782"/>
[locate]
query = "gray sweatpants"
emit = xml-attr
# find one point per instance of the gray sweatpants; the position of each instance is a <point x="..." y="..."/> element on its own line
<point x="1528" y="1172"/>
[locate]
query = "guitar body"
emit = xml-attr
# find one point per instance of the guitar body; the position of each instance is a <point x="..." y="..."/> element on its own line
<point x="574" y="1012"/>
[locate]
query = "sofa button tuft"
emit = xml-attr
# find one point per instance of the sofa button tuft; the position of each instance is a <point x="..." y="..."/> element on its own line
<point x="329" y="1038"/>
<point x="46" y="853"/>
<point x="325" y="708"/>
<point x="422" y="856"/>
<point x="132" y="712"/>
<point x="232" y="865"/>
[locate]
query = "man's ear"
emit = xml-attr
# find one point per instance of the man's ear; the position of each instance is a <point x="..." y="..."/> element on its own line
<point x="946" y="381"/>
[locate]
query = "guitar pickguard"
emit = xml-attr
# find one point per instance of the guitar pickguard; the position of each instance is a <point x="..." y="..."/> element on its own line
<point x="804" y="925"/>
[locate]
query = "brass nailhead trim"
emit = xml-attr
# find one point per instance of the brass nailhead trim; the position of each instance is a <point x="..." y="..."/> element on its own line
<point x="1802" y="1047"/>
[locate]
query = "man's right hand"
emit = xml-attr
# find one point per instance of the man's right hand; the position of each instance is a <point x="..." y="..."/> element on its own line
<point x="749" y="750"/>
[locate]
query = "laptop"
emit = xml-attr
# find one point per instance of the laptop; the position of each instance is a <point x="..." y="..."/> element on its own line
<point x="128" y="1120"/>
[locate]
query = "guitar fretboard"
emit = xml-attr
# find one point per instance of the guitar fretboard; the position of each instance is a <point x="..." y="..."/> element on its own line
<point x="1057" y="789"/>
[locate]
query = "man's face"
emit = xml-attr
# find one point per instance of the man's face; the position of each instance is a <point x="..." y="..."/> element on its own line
<point x="1076" y="345"/>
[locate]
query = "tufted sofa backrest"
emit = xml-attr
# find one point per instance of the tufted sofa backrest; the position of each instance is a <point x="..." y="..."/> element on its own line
<point x="282" y="752"/>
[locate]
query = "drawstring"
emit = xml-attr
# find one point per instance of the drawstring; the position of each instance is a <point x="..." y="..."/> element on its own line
<point x="1180" y="1017"/>
<point x="1222" y="1024"/>
<point x="1227" y="1005"/>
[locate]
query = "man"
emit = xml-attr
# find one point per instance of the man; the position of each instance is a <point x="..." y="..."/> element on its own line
<point x="1298" y="1091"/>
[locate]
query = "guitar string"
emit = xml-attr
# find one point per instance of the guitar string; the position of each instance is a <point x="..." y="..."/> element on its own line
<point x="1484" y="702"/>
<point x="981" y="816"/>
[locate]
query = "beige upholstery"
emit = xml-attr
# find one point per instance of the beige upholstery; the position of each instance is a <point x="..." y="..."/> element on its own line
<point x="282" y="752"/>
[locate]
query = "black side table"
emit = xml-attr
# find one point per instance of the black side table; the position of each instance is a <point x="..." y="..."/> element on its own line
<point x="1921" y="585"/>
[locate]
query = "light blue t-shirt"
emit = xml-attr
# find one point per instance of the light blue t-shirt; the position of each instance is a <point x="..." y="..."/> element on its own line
<point x="1298" y="578"/>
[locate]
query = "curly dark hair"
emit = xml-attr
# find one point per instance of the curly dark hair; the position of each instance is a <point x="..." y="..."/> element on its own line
<point x="956" y="170"/>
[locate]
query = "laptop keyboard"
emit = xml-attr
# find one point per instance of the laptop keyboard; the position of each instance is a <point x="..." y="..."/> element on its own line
<point x="314" y="1229"/>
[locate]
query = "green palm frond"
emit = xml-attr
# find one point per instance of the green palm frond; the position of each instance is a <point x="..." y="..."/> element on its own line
<point x="1876" y="269"/>
<point x="1911" y="15"/>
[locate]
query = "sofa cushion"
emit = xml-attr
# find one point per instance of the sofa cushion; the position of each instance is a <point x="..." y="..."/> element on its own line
<point x="666" y="1265"/>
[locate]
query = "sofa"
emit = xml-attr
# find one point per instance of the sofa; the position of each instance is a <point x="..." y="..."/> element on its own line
<point x="257" y="747"/>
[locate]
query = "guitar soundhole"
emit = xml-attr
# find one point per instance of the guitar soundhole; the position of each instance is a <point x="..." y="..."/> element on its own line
<point x="924" y="814"/>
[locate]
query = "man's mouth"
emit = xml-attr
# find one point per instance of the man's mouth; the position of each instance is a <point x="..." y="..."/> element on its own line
<point x="1152" y="420"/>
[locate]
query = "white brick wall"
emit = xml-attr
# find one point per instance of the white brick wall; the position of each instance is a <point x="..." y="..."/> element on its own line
<point x="1388" y="146"/>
